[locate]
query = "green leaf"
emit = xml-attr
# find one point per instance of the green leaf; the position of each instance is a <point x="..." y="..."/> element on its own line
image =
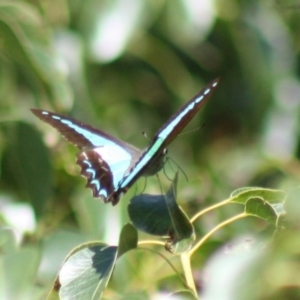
<point x="227" y="270"/>
<point x="292" y="208"/>
<point x="8" y="240"/>
<point x="149" y="214"/>
<point x="26" y="165"/>
<point x="26" y="41"/>
<point x="140" y="295"/>
<point x="160" y="215"/>
<point x="128" y="239"/>
<point x="243" y="194"/>
<point x="184" y="294"/>
<point x="86" y="273"/>
<point x="259" y="208"/>
<point x="18" y="274"/>
<point x="98" y="20"/>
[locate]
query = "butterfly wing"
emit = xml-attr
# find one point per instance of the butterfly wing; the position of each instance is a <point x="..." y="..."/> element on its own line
<point x="168" y="132"/>
<point x="110" y="165"/>
<point x="104" y="160"/>
<point x="153" y="158"/>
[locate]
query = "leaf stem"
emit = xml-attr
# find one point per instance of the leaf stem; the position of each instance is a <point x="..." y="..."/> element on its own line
<point x="199" y="244"/>
<point x="167" y="261"/>
<point x="151" y="242"/>
<point x="187" y="270"/>
<point x="202" y="212"/>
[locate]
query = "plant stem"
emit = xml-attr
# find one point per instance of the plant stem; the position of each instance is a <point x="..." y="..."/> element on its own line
<point x="202" y="212"/>
<point x="151" y="242"/>
<point x="199" y="244"/>
<point x="187" y="270"/>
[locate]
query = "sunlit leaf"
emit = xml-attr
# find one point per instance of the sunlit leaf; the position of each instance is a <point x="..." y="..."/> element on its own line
<point x="140" y="295"/>
<point x="243" y="194"/>
<point x="227" y="267"/>
<point x="109" y="30"/>
<point x="26" y="41"/>
<point x="257" y="207"/>
<point x="16" y="283"/>
<point x="291" y="206"/>
<point x="85" y="273"/>
<point x="190" y="20"/>
<point x="185" y="294"/>
<point x="8" y="240"/>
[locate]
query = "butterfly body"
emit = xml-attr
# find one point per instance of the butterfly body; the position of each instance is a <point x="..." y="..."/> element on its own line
<point x="112" y="166"/>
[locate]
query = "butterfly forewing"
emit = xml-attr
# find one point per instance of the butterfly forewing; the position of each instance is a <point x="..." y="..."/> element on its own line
<point x="104" y="160"/>
<point x="80" y="134"/>
<point x="168" y="132"/>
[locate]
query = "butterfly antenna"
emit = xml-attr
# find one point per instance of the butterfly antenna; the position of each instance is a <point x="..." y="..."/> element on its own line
<point x="145" y="135"/>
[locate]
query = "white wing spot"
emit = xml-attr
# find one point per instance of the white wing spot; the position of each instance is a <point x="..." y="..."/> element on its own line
<point x="103" y="193"/>
<point x="68" y="123"/>
<point x="199" y="99"/>
<point x="207" y="91"/>
<point x="96" y="182"/>
<point x="56" y="117"/>
<point x="87" y="162"/>
<point x="91" y="171"/>
<point x="45" y="113"/>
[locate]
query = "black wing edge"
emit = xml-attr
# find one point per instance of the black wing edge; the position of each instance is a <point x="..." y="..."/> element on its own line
<point x="66" y="131"/>
<point x="76" y="138"/>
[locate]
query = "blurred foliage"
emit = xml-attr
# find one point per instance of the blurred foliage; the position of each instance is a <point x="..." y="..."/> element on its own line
<point x="126" y="66"/>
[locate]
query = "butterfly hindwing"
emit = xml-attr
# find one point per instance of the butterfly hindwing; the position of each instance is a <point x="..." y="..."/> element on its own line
<point x="97" y="172"/>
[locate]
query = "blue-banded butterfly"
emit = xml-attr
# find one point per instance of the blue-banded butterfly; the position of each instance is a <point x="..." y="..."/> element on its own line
<point x="112" y="166"/>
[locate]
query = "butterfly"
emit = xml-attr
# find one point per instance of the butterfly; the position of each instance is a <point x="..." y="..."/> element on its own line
<point x="112" y="166"/>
